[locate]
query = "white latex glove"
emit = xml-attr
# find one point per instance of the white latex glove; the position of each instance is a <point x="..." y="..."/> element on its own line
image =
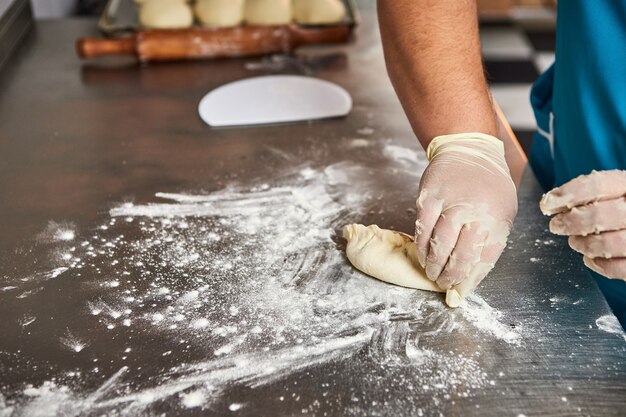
<point x="465" y="209"/>
<point x="591" y="210"/>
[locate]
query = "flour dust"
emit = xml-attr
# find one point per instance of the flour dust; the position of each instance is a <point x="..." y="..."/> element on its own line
<point x="609" y="323"/>
<point x="256" y="278"/>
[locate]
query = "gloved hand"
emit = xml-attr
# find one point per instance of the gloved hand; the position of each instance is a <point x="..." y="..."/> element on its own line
<point x="591" y="210"/>
<point x="465" y="209"/>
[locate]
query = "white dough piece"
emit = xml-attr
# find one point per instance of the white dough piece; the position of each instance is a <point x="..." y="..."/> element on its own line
<point x="318" y="11"/>
<point x="219" y="13"/>
<point x="165" y="14"/>
<point x="267" y="12"/>
<point x="390" y="256"/>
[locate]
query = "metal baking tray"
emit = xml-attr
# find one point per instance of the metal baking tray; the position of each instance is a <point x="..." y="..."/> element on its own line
<point x="122" y="16"/>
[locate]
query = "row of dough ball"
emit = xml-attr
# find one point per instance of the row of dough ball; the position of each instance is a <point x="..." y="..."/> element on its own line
<point x="174" y="14"/>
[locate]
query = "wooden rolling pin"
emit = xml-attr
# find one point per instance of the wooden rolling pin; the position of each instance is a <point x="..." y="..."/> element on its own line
<point x="200" y="43"/>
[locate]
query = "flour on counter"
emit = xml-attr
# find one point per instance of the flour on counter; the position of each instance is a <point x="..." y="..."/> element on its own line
<point x="193" y="399"/>
<point x="72" y="342"/>
<point x="359" y="143"/>
<point x="405" y="156"/>
<point x="487" y="319"/>
<point x="252" y="276"/>
<point x="58" y="232"/>
<point x="609" y="323"/>
<point x="5" y="411"/>
<point x="234" y="406"/>
<point x="27" y="320"/>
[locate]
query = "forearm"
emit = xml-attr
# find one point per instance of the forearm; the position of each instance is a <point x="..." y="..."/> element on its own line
<point x="432" y="52"/>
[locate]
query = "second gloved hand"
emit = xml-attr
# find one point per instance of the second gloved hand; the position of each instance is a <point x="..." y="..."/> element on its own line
<point x="465" y="209"/>
<point x="591" y="210"/>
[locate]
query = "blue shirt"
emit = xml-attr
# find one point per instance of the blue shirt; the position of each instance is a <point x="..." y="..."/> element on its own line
<point x="580" y="105"/>
<point x="580" y="102"/>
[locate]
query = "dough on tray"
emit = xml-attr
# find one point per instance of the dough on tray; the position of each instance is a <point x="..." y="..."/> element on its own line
<point x="267" y="12"/>
<point x="318" y="11"/>
<point x="219" y="13"/>
<point x="165" y="14"/>
<point x="390" y="256"/>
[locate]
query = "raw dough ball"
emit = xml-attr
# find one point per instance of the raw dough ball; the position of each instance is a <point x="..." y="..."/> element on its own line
<point x="166" y="14"/>
<point x="387" y="255"/>
<point x="220" y="12"/>
<point x="318" y="11"/>
<point x="267" y="12"/>
<point x="391" y="257"/>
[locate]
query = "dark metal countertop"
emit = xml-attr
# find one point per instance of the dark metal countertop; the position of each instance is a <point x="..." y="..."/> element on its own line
<point x="114" y="309"/>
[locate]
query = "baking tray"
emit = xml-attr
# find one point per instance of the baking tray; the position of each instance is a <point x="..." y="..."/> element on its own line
<point x="121" y="17"/>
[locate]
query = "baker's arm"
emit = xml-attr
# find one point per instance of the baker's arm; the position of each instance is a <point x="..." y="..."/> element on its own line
<point x="467" y="200"/>
<point x="432" y="52"/>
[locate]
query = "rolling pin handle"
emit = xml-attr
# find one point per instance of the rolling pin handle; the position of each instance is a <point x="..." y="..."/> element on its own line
<point x="94" y="47"/>
<point x="327" y="35"/>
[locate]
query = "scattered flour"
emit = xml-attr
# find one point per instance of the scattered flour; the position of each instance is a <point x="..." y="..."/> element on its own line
<point x="27" y="320"/>
<point x="5" y="411"/>
<point x="57" y="232"/>
<point x="253" y="275"/>
<point x="234" y="406"/>
<point x="65" y="235"/>
<point x="199" y="323"/>
<point x="487" y="319"/>
<point x="73" y="343"/>
<point x="610" y="324"/>
<point x="405" y="156"/>
<point x="360" y="143"/>
<point x="193" y="399"/>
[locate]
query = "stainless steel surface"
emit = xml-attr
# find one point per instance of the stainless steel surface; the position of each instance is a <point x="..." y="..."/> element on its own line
<point x="122" y="16"/>
<point x="76" y="140"/>
<point x="15" y="22"/>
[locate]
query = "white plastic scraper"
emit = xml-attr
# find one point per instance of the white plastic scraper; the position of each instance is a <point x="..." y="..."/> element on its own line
<point x="274" y="99"/>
